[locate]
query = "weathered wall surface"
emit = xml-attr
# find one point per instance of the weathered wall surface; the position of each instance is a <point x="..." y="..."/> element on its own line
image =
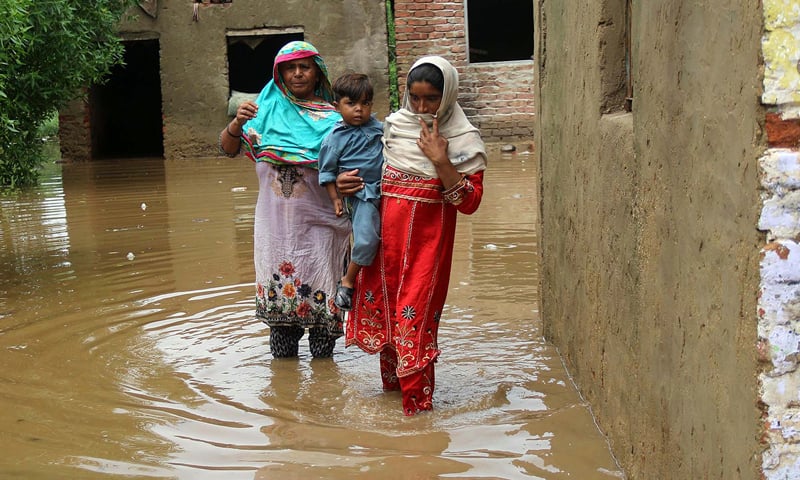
<point x="497" y="97"/>
<point x="650" y="264"/>
<point x="779" y="299"/>
<point x="194" y="83"/>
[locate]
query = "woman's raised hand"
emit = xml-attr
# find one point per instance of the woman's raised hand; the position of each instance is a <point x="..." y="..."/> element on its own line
<point x="247" y="110"/>
<point x="433" y="145"/>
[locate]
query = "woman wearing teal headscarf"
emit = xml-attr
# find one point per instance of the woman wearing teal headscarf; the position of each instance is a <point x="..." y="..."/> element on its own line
<point x="300" y="244"/>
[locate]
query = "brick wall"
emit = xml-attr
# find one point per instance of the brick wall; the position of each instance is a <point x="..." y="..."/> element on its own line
<point x="497" y="97"/>
<point x="779" y="295"/>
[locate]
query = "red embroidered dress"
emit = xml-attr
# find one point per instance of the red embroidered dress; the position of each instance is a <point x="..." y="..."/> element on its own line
<point x="398" y="300"/>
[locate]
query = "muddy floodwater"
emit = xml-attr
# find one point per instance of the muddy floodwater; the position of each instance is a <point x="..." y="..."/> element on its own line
<point x="129" y="349"/>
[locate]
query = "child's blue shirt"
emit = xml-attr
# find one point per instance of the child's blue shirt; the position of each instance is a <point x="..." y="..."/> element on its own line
<point x="348" y="147"/>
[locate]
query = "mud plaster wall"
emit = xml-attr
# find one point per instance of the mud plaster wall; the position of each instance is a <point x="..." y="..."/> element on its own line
<point x="194" y="82"/>
<point x="649" y="240"/>
<point x="497" y="97"/>
<point x="779" y="299"/>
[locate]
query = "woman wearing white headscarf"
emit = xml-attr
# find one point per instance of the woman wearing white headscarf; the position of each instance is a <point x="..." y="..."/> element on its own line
<point x="434" y="169"/>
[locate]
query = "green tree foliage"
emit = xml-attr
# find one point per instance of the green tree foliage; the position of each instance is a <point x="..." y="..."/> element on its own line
<point x="50" y="50"/>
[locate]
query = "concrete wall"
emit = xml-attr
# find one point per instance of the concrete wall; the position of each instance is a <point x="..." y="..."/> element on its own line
<point x="650" y="246"/>
<point x="497" y="97"/>
<point x="779" y="294"/>
<point x="194" y="82"/>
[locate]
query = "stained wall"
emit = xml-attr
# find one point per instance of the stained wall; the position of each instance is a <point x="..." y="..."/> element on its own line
<point x="650" y="237"/>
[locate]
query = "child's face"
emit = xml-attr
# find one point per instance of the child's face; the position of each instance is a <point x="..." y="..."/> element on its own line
<point x="424" y="97"/>
<point x="354" y="112"/>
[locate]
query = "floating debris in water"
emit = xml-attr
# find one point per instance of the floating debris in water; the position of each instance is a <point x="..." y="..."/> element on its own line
<point x="490" y="246"/>
<point x="508" y="148"/>
<point x="131" y="256"/>
<point x="239" y="189"/>
<point x="144" y="206"/>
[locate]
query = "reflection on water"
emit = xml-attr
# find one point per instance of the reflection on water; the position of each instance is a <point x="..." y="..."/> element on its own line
<point x="128" y="345"/>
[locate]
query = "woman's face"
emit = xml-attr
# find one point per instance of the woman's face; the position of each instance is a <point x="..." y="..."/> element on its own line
<point x="300" y="77"/>
<point x="424" y="97"/>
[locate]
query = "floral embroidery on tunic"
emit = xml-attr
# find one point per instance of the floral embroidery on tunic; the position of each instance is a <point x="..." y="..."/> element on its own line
<point x="286" y="300"/>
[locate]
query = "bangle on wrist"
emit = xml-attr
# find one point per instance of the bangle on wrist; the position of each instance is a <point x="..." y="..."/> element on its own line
<point x="222" y="149"/>
<point x="228" y="129"/>
<point x="455" y="194"/>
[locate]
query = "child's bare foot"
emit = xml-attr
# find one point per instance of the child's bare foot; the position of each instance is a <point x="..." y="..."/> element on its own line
<point x="344" y="296"/>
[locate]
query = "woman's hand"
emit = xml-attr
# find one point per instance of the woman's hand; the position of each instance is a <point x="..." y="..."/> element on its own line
<point x="348" y="183"/>
<point x="433" y="145"/>
<point x="247" y="110"/>
<point x="231" y="136"/>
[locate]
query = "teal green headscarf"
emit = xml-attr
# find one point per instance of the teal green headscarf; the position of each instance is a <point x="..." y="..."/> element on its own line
<point x="289" y="130"/>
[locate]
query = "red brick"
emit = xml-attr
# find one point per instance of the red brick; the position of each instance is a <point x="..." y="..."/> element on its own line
<point x="782" y="133"/>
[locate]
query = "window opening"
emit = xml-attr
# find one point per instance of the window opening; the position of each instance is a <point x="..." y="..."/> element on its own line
<point x="499" y="30"/>
<point x="251" y="56"/>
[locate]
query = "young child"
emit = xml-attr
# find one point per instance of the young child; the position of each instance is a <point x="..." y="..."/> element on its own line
<point x="354" y="144"/>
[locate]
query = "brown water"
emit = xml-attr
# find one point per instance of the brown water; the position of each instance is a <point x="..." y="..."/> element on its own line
<point x="128" y="346"/>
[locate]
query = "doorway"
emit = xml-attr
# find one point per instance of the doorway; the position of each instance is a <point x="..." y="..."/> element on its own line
<point x="125" y="111"/>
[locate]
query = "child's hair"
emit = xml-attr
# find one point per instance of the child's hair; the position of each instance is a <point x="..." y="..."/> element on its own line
<point x="427" y="72"/>
<point x="354" y="86"/>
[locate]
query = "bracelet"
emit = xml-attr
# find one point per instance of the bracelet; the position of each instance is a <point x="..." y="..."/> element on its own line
<point x="228" y="129"/>
<point x="455" y="194"/>
<point x="222" y="150"/>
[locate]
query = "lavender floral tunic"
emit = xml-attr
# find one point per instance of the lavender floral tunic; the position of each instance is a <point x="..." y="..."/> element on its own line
<point x="301" y="249"/>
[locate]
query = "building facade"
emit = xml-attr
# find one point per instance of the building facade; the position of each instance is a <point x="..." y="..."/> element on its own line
<point x="492" y="49"/>
<point x="187" y="62"/>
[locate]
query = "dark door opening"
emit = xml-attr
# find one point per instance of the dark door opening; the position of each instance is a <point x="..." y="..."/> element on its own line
<point x="125" y="111"/>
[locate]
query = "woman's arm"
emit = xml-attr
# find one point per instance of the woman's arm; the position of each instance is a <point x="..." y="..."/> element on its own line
<point x="231" y="135"/>
<point x="466" y="195"/>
